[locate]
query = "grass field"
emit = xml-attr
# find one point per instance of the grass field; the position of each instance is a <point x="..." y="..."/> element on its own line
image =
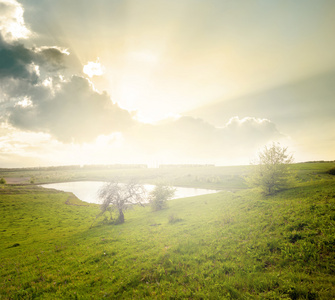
<point x="229" y="245"/>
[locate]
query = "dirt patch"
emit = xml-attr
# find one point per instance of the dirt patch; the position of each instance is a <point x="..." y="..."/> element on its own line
<point x="17" y="180"/>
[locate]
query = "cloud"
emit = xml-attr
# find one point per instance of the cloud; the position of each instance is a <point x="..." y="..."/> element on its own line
<point x="12" y="25"/>
<point x="93" y="68"/>
<point x="37" y="96"/>
<point x="19" y="62"/>
<point x="24" y="73"/>
<point x="250" y="130"/>
<point x="191" y="139"/>
<point x="173" y="142"/>
<point x="52" y="58"/>
<point x="25" y="149"/>
<point x="16" y="62"/>
<point x="75" y="113"/>
<point x="61" y="112"/>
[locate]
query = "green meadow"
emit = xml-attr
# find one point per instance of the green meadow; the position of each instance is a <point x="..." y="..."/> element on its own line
<point x="235" y="244"/>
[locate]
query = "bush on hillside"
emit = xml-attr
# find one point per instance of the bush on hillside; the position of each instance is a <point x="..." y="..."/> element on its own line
<point x="159" y="195"/>
<point x="271" y="172"/>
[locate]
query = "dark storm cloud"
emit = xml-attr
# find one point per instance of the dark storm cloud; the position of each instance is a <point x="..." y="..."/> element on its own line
<point x="51" y="58"/>
<point x="15" y="62"/>
<point x="36" y="98"/>
<point x="75" y="113"/>
<point x="21" y="63"/>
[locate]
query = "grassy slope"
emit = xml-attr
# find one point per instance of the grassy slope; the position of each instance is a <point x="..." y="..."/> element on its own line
<point x="226" y="245"/>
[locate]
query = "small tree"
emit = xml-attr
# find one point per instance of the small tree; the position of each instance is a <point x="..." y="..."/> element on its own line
<point x="120" y="196"/>
<point x="271" y="172"/>
<point x="2" y="180"/>
<point x="159" y="195"/>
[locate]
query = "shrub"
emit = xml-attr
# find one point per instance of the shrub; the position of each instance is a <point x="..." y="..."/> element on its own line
<point x="160" y="194"/>
<point x="272" y="173"/>
<point x="2" y="180"/>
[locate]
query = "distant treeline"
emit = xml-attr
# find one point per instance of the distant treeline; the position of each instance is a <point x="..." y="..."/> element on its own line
<point x="77" y="167"/>
<point x="318" y="161"/>
<point x="186" y="166"/>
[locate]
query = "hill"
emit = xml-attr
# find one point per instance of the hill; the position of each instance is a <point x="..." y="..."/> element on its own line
<point x="229" y="245"/>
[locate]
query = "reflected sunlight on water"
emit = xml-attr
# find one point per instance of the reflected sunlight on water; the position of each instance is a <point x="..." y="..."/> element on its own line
<point x="88" y="190"/>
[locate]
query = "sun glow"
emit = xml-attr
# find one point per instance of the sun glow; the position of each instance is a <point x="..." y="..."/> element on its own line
<point x="143" y="56"/>
<point x="94" y="68"/>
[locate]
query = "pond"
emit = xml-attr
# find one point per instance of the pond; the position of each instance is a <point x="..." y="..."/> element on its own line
<point x="88" y="190"/>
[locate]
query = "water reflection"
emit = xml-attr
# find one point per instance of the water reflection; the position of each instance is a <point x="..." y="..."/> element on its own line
<point x="88" y="190"/>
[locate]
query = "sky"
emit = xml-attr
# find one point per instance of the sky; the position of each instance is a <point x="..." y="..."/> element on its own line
<point x="165" y="82"/>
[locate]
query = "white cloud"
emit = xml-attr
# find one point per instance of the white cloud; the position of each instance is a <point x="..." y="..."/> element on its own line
<point x="12" y="26"/>
<point x="25" y="102"/>
<point x="194" y="140"/>
<point x="236" y="121"/>
<point x="94" y="68"/>
<point x="250" y="126"/>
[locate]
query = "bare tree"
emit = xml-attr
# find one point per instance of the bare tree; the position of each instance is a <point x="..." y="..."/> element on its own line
<point x="120" y="196"/>
<point x="271" y="172"/>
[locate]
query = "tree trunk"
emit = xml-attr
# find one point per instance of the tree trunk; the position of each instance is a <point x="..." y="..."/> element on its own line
<point x="121" y="217"/>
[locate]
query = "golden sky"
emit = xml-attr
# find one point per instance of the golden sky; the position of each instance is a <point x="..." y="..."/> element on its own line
<point x="156" y="81"/>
